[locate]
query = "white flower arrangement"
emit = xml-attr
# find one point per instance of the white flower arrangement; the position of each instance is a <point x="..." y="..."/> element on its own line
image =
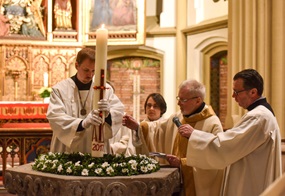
<point x="79" y="164"/>
<point x="44" y="92"/>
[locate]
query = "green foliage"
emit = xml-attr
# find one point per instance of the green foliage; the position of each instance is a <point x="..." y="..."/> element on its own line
<point x="45" y="92"/>
<point x="79" y="164"/>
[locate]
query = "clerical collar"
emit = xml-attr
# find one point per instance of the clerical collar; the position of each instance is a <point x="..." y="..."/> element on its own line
<point x="260" y="101"/>
<point x="80" y="85"/>
<point x="199" y="109"/>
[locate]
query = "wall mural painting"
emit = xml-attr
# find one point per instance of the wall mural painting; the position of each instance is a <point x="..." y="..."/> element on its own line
<point x="115" y="14"/>
<point x="124" y="19"/>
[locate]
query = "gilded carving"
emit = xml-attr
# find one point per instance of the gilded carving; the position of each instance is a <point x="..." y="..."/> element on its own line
<point x="59" y="66"/>
<point x="40" y="65"/>
<point x="24" y="17"/>
<point x="24" y="66"/>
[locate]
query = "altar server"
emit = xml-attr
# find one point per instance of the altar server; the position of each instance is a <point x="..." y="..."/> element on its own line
<point x="154" y="108"/>
<point x="70" y="111"/>
<point x="250" y="151"/>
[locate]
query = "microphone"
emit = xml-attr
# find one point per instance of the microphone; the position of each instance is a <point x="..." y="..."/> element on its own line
<point x="176" y="121"/>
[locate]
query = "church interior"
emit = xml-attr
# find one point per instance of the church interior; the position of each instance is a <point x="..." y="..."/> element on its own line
<point x="153" y="46"/>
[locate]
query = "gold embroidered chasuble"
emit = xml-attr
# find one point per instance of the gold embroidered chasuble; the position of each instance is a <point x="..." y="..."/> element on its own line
<point x="180" y="150"/>
<point x="162" y="136"/>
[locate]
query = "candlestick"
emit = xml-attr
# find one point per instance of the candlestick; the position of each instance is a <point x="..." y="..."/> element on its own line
<point x="45" y="79"/>
<point x="16" y="90"/>
<point x="99" y="88"/>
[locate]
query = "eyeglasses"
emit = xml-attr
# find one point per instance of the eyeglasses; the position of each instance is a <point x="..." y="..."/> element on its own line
<point x="149" y="105"/>
<point x="184" y="100"/>
<point x="237" y="92"/>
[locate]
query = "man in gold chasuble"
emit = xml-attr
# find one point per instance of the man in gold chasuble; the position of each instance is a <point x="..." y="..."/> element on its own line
<point x="166" y="139"/>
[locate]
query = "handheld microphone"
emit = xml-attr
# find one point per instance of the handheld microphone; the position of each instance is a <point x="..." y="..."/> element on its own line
<point x="176" y="121"/>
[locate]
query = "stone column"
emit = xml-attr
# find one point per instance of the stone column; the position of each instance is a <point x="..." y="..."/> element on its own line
<point x="181" y="44"/>
<point x="256" y="40"/>
<point x="276" y="68"/>
<point x="15" y="75"/>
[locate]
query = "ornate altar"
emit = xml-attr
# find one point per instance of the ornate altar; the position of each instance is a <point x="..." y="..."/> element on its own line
<point x="23" y="112"/>
<point x="44" y="36"/>
<point x="23" y="180"/>
<point x="24" y="132"/>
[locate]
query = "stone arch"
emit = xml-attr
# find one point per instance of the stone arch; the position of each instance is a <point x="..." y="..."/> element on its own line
<point x="40" y="65"/>
<point x="15" y="78"/>
<point x="135" y="72"/>
<point x="209" y="48"/>
<point x="209" y="53"/>
<point x="58" y="69"/>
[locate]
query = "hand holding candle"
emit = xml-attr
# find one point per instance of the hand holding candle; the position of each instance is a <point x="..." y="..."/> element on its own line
<point x="99" y="88"/>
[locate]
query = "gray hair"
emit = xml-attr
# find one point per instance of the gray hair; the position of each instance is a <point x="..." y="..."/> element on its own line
<point x="194" y="87"/>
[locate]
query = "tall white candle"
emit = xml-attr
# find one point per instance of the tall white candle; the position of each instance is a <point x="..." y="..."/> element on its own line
<point x="45" y="79"/>
<point x="99" y="88"/>
<point x="100" y="62"/>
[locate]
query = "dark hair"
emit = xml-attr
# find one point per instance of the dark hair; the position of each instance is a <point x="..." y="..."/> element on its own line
<point x="85" y="53"/>
<point x="251" y="79"/>
<point x="159" y="100"/>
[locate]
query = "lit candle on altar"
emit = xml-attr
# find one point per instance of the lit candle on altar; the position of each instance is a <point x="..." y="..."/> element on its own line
<point x="100" y="62"/>
<point x="45" y="79"/>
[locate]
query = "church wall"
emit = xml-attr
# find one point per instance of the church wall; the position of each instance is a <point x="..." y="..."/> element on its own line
<point x="195" y="46"/>
<point x="203" y="10"/>
<point x="195" y="42"/>
<point x="160" y="38"/>
<point x="167" y="45"/>
<point x="256" y="37"/>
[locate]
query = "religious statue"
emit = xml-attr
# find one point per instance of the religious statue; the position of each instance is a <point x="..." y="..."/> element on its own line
<point x="29" y="26"/>
<point x="62" y="15"/>
<point x="15" y="11"/>
<point x="25" y="17"/>
<point x="36" y="11"/>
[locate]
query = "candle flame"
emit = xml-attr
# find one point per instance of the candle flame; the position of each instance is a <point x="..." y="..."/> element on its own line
<point x="103" y="26"/>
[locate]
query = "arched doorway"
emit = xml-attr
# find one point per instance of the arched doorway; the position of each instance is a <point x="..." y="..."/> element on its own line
<point x="134" y="77"/>
<point x="218" y="84"/>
